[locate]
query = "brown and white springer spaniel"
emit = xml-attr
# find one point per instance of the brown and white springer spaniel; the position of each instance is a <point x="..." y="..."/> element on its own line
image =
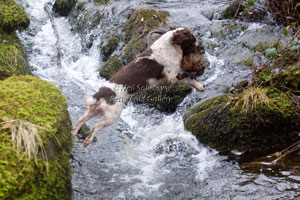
<point x="157" y="65"/>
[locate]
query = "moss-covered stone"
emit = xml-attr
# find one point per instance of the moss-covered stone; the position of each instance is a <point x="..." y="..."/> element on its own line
<point x="63" y="7"/>
<point x="261" y="47"/>
<point x="12" y="16"/>
<point x="255" y="122"/>
<point x="13" y="59"/>
<point x="83" y="132"/>
<point x="163" y="98"/>
<point x="111" y="67"/>
<point x="41" y="103"/>
<point x="109" y="47"/>
<point x="134" y="48"/>
<point x="140" y="23"/>
<point x="233" y="10"/>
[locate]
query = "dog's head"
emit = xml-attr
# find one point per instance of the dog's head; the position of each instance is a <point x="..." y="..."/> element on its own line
<point x="185" y="38"/>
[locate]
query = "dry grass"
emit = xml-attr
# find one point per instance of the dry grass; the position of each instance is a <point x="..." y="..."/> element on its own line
<point x="286" y="11"/>
<point x="25" y="137"/>
<point x="253" y="97"/>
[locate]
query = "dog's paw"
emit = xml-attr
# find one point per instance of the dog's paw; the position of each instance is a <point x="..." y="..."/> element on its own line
<point x="87" y="141"/>
<point x="201" y="89"/>
<point x="172" y="80"/>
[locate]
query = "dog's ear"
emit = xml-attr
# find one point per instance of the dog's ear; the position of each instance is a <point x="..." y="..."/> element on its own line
<point x="183" y="35"/>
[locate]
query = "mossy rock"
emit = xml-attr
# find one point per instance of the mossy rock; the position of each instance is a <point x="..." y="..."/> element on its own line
<point x="12" y="16"/>
<point x="283" y="74"/>
<point x="112" y="66"/>
<point x="140" y="23"/>
<point x="84" y="131"/>
<point x="109" y="47"/>
<point x="13" y="59"/>
<point x="36" y="101"/>
<point x="164" y="98"/>
<point x="256" y="122"/>
<point x="241" y="10"/>
<point x="63" y="7"/>
<point x="234" y="9"/>
<point x="134" y="48"/>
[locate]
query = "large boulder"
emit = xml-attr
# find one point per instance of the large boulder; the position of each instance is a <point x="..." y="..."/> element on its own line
<point x="13" y="60"/>
<point x="12" y="16"/>
<point x="255" y="122"/>
<point x="36" y="165"/>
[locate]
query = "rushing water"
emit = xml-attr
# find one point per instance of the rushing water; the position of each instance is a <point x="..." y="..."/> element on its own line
<point x="147" y="154"/>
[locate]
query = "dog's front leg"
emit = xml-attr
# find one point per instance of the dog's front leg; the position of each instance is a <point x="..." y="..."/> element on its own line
<point x="192" y="82"/>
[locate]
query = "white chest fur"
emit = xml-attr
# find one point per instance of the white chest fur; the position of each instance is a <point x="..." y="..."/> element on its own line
<point x="167" y="54"/>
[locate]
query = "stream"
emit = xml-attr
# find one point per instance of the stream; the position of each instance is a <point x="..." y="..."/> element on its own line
<point x="148" y="154"/>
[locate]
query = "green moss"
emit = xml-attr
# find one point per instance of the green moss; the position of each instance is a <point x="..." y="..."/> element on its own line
<point x="113" y="65"/>
<point x="64" y="7"/>
<point x="261" y="47"/>
<point x="248" y="63"/>
<point x="109" y="47"/>
<point x="12" y="56"/>
<point x="140" y="23"/>
<point x="12" y="16"/>
<point x="101" y="2"/>
<point x="41" y="103"/>
<point x="84" y="131"/>
<point x="133" y="48"/>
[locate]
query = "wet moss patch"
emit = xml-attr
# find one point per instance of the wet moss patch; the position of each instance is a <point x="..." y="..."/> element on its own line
<point x="112" y="66"/>
<point x="41" y="103"/>
<point x="109" y="47"/>
<point x="64" y="7"/>
<point x="140" y="23"/>
<point x="13" y="59"/>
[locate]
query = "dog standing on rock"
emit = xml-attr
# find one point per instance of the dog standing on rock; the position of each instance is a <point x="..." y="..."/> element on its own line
<point x="159" y="64"/>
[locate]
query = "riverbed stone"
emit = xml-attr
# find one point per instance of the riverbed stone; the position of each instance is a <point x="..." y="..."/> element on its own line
<point x="63" y="7"/>
<point x="28" y="99"/>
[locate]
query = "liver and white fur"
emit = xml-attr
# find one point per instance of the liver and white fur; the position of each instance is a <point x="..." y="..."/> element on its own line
<point x="157" y="65"/>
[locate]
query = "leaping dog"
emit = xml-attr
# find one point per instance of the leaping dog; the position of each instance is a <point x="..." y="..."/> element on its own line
<point x="159" y="64"/>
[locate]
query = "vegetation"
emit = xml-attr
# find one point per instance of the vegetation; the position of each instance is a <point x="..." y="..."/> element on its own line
<point x="12" y="16"/>
<point x="34" y="116"/>
<point x="286" y="12"/>
<point x="13" y="59"/>
<point x="111" y="67"/>
<point x="109" y="47"/>
<point x="140" y="23"/>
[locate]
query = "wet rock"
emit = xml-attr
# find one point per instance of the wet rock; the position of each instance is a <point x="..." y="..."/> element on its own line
<point x="13" y="60"/>
<point x="164" y="98"/>
<point x="140" y="23"/>
<point x="256" y="121"/>
<point x="101" y="2"/>
<point x="257" y="125"/>
<point x="45" y="176"/>
<point x="175" y="146"/>
<point x="12" y="16"/>
<point x="83" y="132"/>
<point x="112" y="66"/>
<point x="63" y="7"/>
<point x="245" y="12"/>
<point x="109" y="47"/>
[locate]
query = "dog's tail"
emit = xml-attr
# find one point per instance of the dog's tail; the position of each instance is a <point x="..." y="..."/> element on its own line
<point x="90" y="100"/>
